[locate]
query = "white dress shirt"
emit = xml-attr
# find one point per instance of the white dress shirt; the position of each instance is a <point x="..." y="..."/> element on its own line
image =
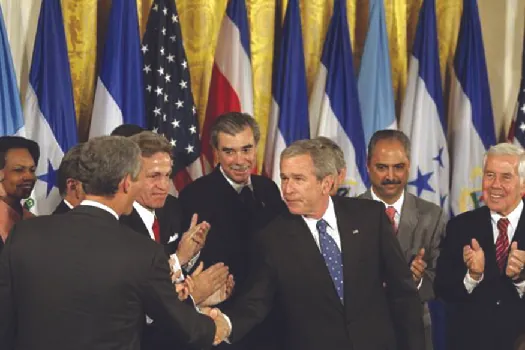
<point x="514" y="218"/>
<point x="398" y="205"/>
<point x="100" y="206"/>
<point x="69" y="205"/>
<point x="237" y="187"/>
<point x="331" y="229"/>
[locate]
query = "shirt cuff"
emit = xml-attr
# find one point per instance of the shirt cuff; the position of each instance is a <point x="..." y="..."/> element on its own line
<point x="192" y="262"/>
<point x="176" y="266"/>
<point x="520" y="288"/>
<point x="471" y="283"/>
<point x="420" y="284"/>
<point x="227" y="340"/>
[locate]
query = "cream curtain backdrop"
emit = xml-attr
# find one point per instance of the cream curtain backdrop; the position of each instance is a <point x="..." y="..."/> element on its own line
<point x="86" y="22"/>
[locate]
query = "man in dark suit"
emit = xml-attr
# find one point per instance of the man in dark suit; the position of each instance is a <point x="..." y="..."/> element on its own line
<point x="235" y="203"/>
<point x="68" y="182"/>
<point x="330" y="286"/>
<point x="480" y="269"/>
<point x="54" y="294"/>
<point x="418" y="224"/>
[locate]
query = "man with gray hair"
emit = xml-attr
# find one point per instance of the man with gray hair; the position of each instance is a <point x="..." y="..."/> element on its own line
<point x="236" y="203"/>
<point x="333" y="150"/>
<point x="329" y="287"/>
<point x="417" y="224"/>
<point x="69" y="185"/>
<point x="480" y="270"/>
<point x="81" y="280"/>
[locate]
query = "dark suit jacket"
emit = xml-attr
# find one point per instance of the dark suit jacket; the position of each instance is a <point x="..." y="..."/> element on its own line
<point x="232" y="228"/>
<point x="293" y="277"/>
<point x="493" y="315"/>
<point x="82" y="281"/>
<point x="169" y="217"/>
<point x="156" y="335"/>
<point x="61" y="208"/>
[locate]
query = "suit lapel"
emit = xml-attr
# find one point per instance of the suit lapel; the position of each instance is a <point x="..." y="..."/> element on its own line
<point x="308" y="255"/>
<point x="519" y="235"/>
<point x="407" y="223"/>
<point x="137" y="224"/>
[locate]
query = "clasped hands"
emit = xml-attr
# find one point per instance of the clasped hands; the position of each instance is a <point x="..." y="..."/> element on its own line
<point x="474" y="258"/>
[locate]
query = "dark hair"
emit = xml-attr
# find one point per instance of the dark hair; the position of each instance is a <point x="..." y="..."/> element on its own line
<point x="69" y="168"/>
<point x="13" y="142"/>
<point x="232" y="123"/>
<point x="105" y="161"/>
<point x="127" y="130"/>
<point x="388" y="134"/>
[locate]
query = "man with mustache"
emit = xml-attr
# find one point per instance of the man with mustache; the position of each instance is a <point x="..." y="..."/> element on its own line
<point x="418" y="224"/>
<point x="480" y="270"/>
<point x="18" y="161"/>
<point x="236" y="203"/>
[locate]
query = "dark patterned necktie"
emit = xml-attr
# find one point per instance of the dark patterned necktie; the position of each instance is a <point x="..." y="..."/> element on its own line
<point x="332" y="257"/>
<point x="502" y="243"/>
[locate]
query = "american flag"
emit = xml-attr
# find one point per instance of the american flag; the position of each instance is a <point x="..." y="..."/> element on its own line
<point x="517" y="129"/>
<point x="170" y="109"/>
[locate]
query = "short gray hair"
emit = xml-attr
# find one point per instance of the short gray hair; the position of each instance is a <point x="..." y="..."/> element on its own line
<point x="105" y="161"/>
<point x="334" y="150"/>
<point x="232" y="123"/>
<point x="508" y="149"/>
<point x="151" y="143"/>
<point x="324" y="166"/>
<point x="391" y="135"/>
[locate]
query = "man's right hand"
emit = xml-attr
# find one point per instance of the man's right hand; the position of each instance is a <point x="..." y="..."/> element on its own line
<point x="208" y="281"/>
<point x="192" y="240"/>
<point x="474" y="259"/>
<point x="222" y="327"/>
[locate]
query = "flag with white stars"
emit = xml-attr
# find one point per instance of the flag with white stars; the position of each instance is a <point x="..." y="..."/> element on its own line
<point x="49" y="110"/>
<point x="422" y="115"/>
<point x="170" y="109"/>
<point x="517" y="131"/>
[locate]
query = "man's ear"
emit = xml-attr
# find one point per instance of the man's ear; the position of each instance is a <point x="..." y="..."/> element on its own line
<point x="125" y="183"/>
<point x="327" y="184"/>
<point x="2" y="175"/>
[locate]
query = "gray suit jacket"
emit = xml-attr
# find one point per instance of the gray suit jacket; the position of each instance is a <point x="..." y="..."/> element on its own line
<point x="422" y="225"/>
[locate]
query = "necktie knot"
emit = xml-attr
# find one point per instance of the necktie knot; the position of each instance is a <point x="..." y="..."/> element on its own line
<point x="321" y="226"/>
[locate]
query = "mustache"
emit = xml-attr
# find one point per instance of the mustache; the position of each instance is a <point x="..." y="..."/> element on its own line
<point x="390" y="182"/>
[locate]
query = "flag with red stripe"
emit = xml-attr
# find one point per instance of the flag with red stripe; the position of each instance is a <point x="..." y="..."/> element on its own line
<point x="231" y="88"/>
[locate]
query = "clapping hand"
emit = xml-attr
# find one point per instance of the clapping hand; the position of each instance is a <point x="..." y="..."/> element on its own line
<point x="192" y="240"/>
<point x="474" y="259"/>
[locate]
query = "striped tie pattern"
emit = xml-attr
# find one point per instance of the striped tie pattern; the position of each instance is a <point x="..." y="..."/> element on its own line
<point x="502" y="243"/>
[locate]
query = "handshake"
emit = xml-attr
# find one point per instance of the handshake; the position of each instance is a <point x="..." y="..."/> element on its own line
<point x="222" y="324"/>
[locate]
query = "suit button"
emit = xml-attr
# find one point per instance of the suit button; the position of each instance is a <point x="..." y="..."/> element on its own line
<point x="498" y="302"/>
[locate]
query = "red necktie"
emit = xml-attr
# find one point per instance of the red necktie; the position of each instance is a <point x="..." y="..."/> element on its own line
<point x="156" y="230"/>
<point x="502" y="243"/>
<point x="391" y="213"/>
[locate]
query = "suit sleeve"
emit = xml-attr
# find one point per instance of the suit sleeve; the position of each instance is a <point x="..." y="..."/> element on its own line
<point x="450" y="269"/>
<point x="162" y="304"/>
<point x="255" y="300"/>
<point x="8" y="318"/>
<point x="426" y="292"/>
<point x="402" y="294"/>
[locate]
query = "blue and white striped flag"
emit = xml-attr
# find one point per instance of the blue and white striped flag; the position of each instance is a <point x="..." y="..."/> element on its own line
<point x="472" y="130"/>
<point x="289" y="114"/>
<point x="119" y="97"/>
<point x="374" y="83"/>
<point x="422" y="115"/>
<point x="334" y="104"/>
<point x="11" y="121"/>
<point x="49" y="108"/>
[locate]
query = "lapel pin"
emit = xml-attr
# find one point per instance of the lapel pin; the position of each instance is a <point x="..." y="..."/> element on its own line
<point x="354" y="232"/>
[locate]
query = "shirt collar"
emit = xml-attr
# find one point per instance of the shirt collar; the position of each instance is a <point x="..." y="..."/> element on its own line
<point x="514" y="216"/>
<point x="69" y="205"/>
<point x="237" y="187"/>
<point x="328" y="216"/>
<point x="100" y="206"/>
<point x="398" y="205"/>
<point x="147" y="215"/>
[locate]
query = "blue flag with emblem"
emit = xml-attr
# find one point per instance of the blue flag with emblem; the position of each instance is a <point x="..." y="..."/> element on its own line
<point x="422" y="115"/>
<point x="49" y="109"/>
